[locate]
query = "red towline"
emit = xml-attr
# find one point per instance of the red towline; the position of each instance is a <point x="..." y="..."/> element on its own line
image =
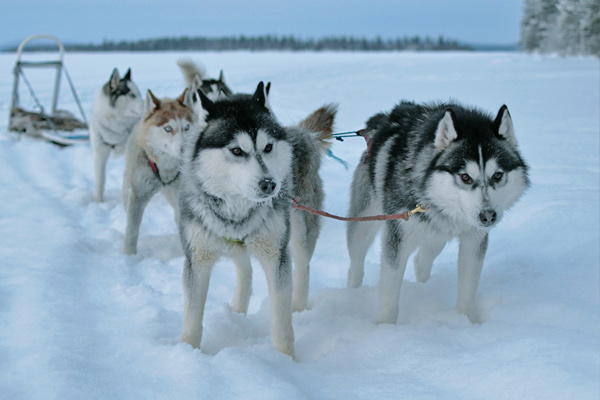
<point x="405" y="215"/>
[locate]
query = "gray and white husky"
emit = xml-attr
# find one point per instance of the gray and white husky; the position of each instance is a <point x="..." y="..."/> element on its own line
<point x="153" y="158"/>
<point x="117" y="107"/>
<point x="235" y="175"/>
<point x="460" y="162"/>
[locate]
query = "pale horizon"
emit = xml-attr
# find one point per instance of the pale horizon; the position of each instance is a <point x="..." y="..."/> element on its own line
<point x="466" y="21"/>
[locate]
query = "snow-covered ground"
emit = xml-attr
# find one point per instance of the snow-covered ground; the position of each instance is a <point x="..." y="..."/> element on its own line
<point x="81" y="320"/>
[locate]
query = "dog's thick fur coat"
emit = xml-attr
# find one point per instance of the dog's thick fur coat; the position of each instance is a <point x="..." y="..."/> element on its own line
<point x="462" y="163"/>
<point x="236" y="175"/>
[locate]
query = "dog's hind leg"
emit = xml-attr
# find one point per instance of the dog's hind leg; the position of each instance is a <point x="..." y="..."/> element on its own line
<point x="305" y="231"/>
<point x="196" y="278"/>
<point x="243" y="286"/>
<point x="428" y="252"/>
<point x="394" y="256"/>
<point x="360" y="235"/>
<point x="101" y="154"/>
<point x="471" y="253"/>
<point x="135" y="211"/>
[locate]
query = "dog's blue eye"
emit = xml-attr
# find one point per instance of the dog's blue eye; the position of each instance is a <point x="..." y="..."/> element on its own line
<point x="466" y="179"/>
<point x="168" y="128"/>
<point x="497" y="177"/>
<point x="236" y="151"/>
<point x="268" y="148"/>
<point x="132" y="95"/>
<point x="187" y="127"/>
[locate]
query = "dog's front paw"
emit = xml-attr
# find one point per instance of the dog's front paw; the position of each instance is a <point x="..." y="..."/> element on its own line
<point x="387" y="315"/>
<point x="355" y="278"/>
<point x="471" y="311"/>
<point x="192" y="340"/>
<point x="299" y="302"/>
<point x="129" y="250"/>
<point x="286" y="346"/>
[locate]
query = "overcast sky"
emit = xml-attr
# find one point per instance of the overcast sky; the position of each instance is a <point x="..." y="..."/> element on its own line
<point x="91" y="21"/>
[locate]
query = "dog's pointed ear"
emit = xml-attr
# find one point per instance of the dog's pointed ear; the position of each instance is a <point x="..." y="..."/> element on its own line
<point x="196" y="83"/>
<point x="181" y="99"/>
<point x="113" y="82"/>
<point x="188" y="98"/>
<point x="127" y="76"/>
<point x="224" y="90"/>
<point x="503" y="126"/>
<point x="267" y="97"/>
<point x="446" y="132"/>
<point x="204" y="101"/>
<point x="152" y="102"/>
<point x="259" y="96"/>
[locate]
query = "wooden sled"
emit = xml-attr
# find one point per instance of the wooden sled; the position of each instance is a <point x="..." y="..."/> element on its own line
<point x="57" y="126"/>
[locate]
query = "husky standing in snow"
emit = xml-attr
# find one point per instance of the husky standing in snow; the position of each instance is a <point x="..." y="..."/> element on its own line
<point x="153" y="158"/>
<point x="460" y="162"/>
<point x="117" y="107"/>
<point x="234" y="174"/>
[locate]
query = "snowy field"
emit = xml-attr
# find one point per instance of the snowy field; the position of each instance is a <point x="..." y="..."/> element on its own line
<point x="81" y="320"/>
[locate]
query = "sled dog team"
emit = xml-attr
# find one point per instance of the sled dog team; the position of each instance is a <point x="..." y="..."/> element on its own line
<point x="229" y="169"/>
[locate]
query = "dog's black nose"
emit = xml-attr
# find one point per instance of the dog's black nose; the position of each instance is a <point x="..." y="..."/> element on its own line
<point x="267" y="185"/>
<point x="487" y="217"/>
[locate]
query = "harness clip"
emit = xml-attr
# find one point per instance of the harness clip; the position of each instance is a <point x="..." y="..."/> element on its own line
<point x="421" y="208"/>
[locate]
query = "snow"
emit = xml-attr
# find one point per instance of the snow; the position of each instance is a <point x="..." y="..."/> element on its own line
<point x="79" y="319"/>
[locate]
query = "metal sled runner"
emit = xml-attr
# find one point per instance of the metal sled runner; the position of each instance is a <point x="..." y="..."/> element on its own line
<point x="58" y="126"/>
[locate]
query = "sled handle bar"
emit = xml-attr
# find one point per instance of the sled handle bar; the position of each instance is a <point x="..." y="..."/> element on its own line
<point x="61" y="49"/>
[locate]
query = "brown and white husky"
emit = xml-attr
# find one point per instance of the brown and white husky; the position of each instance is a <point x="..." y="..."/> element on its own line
<point x="153" y="158"/>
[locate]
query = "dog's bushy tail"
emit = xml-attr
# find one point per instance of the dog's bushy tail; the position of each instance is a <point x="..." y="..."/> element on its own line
<point x="190" y="68"/>
<point x="320" y="122"/>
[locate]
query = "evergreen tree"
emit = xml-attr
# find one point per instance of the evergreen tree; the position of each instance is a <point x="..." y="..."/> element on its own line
<point x="590" y="27"/>
<point x="565" y="26"/>
<point x="569" y="17"/>
<point x="531" y="36"/>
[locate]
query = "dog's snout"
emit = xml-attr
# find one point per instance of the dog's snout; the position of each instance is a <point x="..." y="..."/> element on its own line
<point x="267" y="185"/>
<point x="488" y="217"/>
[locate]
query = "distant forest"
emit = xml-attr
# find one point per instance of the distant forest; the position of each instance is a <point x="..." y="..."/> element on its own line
<point x="269" y="42"/>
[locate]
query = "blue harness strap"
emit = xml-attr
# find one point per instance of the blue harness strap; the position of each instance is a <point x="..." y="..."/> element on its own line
<point x="341" y="161"/>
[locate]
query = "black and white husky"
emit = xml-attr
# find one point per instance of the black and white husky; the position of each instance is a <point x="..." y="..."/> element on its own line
<point x="236" y="173"/>
<point x="462" y="163"/>
<point x="117" y="107"/>
<point x="196" y="78"/>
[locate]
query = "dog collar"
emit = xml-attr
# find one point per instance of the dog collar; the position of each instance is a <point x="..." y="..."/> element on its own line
<point x="112" y="146"/>
<point x="154" y="168"/>
<point x="231" y="240"/>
